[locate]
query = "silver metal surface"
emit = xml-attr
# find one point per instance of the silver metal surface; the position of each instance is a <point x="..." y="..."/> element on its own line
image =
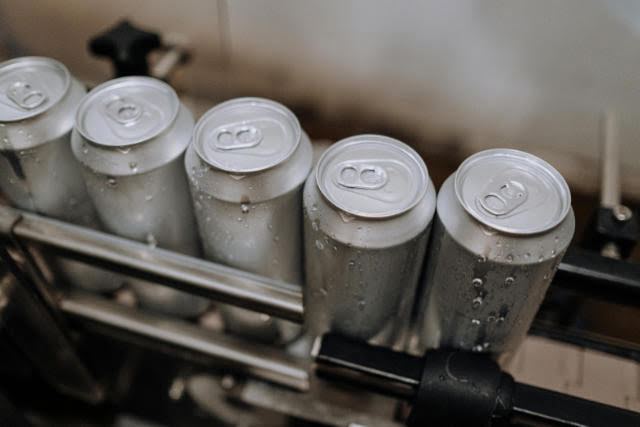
<point x="482" y="286"/>
<point x="130" y="136"/>
<point x="362" y="272"/>
<point x="247" y="164"/>
<point x="253" y="359"/>
<point x="38" y="172"/>
<point x="194" y="275"/>
<point x="372" y="176"/>
<point x="512" y="191"/>
<point x="247" y="135"/>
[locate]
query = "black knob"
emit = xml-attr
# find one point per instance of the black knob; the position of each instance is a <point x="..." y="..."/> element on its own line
<point x="127" y="47"/>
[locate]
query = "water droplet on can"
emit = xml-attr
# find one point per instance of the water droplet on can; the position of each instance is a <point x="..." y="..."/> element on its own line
<point x="475" y="322"/>
<point x="151" y="240"/>
<point x="477" y="302"/>
<point x="509" y="281"/>
<point x="319" y="245"/>
<point x="477" y="282"/>
<point x="244" y="207"/>
<point x="111" y="182"/>
<point x="346" y="217"/>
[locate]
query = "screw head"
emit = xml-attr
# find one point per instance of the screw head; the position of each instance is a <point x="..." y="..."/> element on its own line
<point x="622" y="213"/>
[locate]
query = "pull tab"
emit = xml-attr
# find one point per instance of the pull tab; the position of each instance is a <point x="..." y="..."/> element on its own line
<point x="237" y="137"/>
<point x="124" y="111"/>
<point x="505" y="199"/>
<point x="361" y="176"/>
<point x="25" y="96"/>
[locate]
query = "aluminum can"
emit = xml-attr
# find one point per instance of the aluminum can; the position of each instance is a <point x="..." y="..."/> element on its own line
<point x="503" y="222"/>
<point x="368" y="207"/>
<point x="130" y="136"/>
<point x="38" y="173"/>
<point x="247" y="165"/>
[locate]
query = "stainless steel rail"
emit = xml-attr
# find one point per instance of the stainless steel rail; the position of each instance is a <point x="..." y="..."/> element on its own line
<point x="259" y="361"/>
<point x="214" y="281"/>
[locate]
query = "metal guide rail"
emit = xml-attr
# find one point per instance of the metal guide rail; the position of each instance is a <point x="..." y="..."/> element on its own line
<point x="580" y="270"/>
<point x="605" y="278"/>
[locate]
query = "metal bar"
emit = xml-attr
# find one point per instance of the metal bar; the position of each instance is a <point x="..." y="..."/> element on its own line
<point x="605" y="278"/>
<point x="583" y="271"/>
<point x="186" y="273"/>
<point x="364" y="365"/>
<point x="586" y="339"/>
<point x="260" y="361"/>
<point x="609" y="161"/>
<point x="537" y="404"/>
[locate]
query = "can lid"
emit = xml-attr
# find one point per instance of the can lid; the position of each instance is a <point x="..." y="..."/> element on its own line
<point x="512" y="191"/>
<point x="247" y="135"/>
<point x="127" y="111"/>
<point x="30" y="86"/>
<point x="372" y="176"/>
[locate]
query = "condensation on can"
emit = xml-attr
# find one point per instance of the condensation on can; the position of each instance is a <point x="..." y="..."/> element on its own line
<point x="130" y="135"/>
<point x="503" y="222"/>
<point x="368" y="207"/>
<point x="246" y="166"/>
<point x="38" y="172"/>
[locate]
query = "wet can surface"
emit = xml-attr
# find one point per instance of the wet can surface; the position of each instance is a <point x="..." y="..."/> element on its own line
<point x="368" y="207"/>
<point x="247" y="165"/>
<point x="503" y="222"/>
<point x="130" y="136"/>
<point x="38" y="173"/>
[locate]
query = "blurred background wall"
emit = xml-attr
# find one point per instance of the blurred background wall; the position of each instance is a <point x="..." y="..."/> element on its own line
<point x="454" y="76"/>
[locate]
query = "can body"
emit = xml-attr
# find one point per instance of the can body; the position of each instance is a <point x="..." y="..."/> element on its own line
<point x="362" y="269"/>
<point x="38" y="171"/>
<point x="486" y="278"/>
<point x="130" y="136"/>
<point x="248" y="199"/>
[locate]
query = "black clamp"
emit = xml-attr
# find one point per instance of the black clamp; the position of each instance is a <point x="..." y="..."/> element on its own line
<point x="617" y="225"/>
<point x="461" y="389"/>
<point x="127" y="47"/>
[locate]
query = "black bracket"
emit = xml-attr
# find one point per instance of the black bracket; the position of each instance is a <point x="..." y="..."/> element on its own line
<point x="127" y="47"/>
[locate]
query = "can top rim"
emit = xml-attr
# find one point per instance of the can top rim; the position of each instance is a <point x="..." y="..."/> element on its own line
<point x="125" y="84"/>
<point x="512" y="191"/>
<point x="244" y="115"/>
<point x="381" y="157"/>
<point x="41" y="61"/>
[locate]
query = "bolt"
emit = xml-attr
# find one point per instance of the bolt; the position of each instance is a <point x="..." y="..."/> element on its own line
<point x="177" y="388"/>
<point x="622" y="213"/>
<point x="228" y="382"/>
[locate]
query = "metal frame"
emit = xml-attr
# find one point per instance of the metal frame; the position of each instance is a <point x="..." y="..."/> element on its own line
<point x="608" y="279"/>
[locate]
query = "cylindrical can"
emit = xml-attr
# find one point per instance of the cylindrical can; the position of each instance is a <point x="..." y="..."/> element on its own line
<point x="504" y="220"/>
<point x="368" y="207"/>
<point x="247" y="165"/>
<point x="38" y="173"/>
<point x="130" y="136"/>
